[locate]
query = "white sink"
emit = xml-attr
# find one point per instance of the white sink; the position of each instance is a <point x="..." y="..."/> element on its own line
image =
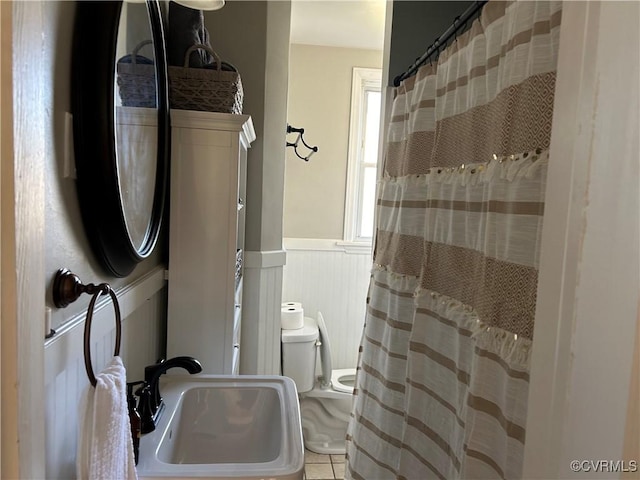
<point x="225" y="427"/>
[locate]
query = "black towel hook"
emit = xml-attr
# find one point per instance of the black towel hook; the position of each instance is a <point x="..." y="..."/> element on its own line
<point x="67" y="288"/>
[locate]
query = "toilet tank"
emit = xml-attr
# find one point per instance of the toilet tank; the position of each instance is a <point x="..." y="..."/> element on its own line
<point x="299" y="354"/>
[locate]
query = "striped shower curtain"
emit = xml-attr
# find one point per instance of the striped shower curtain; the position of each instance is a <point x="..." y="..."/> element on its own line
<point x="443" y="373"/>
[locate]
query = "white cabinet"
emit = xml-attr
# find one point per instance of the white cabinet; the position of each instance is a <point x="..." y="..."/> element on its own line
<point x="206" y="237"/>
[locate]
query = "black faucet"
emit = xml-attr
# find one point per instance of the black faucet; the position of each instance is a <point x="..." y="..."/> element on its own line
<point x="150" y="406"/>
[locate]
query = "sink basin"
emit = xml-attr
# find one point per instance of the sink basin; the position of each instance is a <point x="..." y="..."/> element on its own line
<point x="225" y="427"/>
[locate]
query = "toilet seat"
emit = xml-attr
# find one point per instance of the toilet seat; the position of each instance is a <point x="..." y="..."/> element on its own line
<point x="341" y="380"/>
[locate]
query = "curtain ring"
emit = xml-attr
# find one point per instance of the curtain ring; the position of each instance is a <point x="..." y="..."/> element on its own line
<point x="455" y="31"/>
<point x="102" y="289"/>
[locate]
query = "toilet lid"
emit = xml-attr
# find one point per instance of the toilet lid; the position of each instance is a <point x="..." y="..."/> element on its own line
<point x="325" y="353"/>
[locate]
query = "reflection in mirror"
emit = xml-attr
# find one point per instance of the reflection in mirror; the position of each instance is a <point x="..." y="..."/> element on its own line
<point x="119" y="97"/>
<point x="136" y="117"/>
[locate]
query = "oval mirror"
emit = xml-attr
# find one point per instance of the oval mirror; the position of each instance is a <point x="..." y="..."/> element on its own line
<point x="121" y="128"/>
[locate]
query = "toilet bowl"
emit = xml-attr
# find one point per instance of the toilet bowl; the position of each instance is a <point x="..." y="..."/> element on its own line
<point x="325" y="400"/>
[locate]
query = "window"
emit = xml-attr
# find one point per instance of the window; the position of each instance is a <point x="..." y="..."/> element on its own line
<point x="363" y="155"/>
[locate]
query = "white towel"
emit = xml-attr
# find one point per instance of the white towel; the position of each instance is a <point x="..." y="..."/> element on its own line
<point x="105" y="447"/>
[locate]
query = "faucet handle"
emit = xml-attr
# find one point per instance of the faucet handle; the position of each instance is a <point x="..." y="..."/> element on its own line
<point x="150" y="378"/>
<point x="146" y="409"/>
<point x="135" y="421"/>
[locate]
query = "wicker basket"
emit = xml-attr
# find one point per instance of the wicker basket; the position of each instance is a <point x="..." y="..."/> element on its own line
<point x="204" y="89"/>
<point x="137" y="81"/>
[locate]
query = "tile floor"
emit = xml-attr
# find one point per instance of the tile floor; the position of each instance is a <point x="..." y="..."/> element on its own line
<point x="323" y="467"/>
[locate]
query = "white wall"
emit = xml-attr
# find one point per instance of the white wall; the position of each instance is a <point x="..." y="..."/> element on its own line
<point x="334" y="280"/>
<point x="319" y="102"/>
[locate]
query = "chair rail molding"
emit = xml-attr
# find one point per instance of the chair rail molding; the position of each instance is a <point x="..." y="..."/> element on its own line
<point x="327" y="244"/>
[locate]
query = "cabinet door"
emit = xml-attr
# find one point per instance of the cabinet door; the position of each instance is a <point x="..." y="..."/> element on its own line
<point x="203" y="246"/>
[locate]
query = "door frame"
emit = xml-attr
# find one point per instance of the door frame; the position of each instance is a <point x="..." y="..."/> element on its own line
<point x="588" y="287"/>
<point x="22" y="206"/>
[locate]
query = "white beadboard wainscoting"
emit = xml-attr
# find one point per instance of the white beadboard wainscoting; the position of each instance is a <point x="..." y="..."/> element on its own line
<point x="143" y="308"/>
<point x="260" y="337"/>
<point x="332" y="277"/>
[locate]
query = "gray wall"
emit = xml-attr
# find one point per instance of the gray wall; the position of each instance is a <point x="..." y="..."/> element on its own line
<point x="415" y="26"/>
<point x="254" y="36"/>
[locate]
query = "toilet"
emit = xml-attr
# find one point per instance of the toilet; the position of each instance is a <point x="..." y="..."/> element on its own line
<point x="325" y="400"/>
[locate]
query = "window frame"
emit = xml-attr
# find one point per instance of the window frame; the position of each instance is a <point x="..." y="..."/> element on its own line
<point x="363" y="80"/>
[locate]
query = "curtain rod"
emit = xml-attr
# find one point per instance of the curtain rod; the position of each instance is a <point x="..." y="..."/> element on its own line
<point x="442" y="40"/>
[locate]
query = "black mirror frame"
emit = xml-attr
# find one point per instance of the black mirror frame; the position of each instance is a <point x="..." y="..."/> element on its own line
<point x="92" y="102"/>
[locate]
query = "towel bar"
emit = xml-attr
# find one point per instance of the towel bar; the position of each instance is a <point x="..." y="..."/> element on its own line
<point x="299" y="138"/>
<point x="67" y="288"/>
